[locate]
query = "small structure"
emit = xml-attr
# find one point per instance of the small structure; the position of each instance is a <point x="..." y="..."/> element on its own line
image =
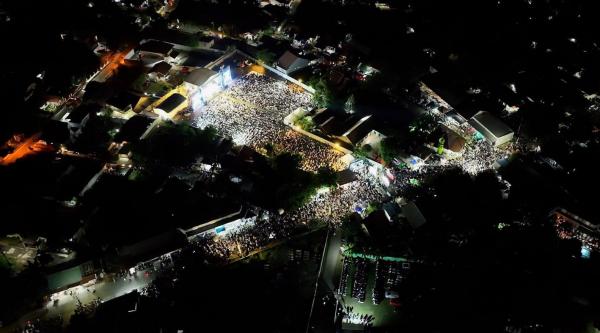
<point x="413" y="215"/>
<point x="347" y="129"/>
<point x="199" y="77"/>
<point x="172" y="105"/>
<point x="492" y="128"/>
<point x="345" y="177"/>
<point x="156" y="47"/>
<point x="69" y="274"/>
<point x="202" y="84"/>
<point x="160" y="69"/>
<point x="289" y="63"/>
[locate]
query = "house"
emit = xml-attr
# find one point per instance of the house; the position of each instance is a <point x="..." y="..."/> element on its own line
<point x="69" y="274"/>
<point x="492" y="128"/>
<point x="155" y="47"/>
<point x="289" y="63"/>
<point x="77" y="118"/>
<point x="199" y="77"/>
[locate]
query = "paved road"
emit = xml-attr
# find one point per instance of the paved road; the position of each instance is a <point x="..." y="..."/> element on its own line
<point x="106" y="290"/>
<point x="22" y="151"/>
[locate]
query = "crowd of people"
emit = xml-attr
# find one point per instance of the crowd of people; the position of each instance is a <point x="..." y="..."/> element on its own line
<point x="251" y="112"/>
<point x="352" y="317"/>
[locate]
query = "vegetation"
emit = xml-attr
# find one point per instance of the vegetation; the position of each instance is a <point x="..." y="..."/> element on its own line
<point x="281" y="183"/>
<point x="306" y="123"/>
<point x="390" y="148"/>
<point x="174" y="144"/>
<point x="266" y="56"/>
<point x="159" y="88"/>
<point x="363" y="151"/>
<point x="323" y="95"/>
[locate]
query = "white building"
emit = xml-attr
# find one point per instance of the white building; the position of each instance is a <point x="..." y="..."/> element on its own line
<point x="492" y="128"/>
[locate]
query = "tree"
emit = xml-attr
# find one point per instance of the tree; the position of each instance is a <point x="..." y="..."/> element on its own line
<point x="306" y="123"/>
<point x="349" y="105"/>
<point x="174" y="144"/>
<point x="327" y="177"/>
<point x="322" y="96"/>
<point x="390" y="148"/>
<point x="265" y="56"/>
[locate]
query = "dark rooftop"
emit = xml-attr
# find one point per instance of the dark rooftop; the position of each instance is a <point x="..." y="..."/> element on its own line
<point x="156" y="46"/>
<point x="79" y="113"/>
<point x="133" y="129"/>
<point x="172" y="102"/>
<point x="124" y="100"/>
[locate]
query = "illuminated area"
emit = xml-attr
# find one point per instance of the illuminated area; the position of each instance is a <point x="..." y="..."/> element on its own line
<point x="251" y="112"/>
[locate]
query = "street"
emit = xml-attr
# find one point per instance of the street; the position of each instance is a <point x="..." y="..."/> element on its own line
<point x="111" y="287"/>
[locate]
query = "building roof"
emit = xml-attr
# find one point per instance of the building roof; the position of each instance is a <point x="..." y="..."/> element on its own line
<point x="345" y="177"/>
<point x="156" y="46"/>
<point x="124" y="100"/>
<point x="161" y="68"/>
<point x="172" y="102"/>
<point x="492" y="124"/>
<point x="199" y="76"/>
<point x="133" y="129"/>
<point x="359" y="130"/>
<point x="288" y="59"/>
<point x="200" y="58"/>
<point x="64" y="278"/>
<point x="77" y="115"/>
<point x="413" y="215"/>
<point x="153" y="246"/>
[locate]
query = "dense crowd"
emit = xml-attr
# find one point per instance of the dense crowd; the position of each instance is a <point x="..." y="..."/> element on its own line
<point x="243" y="240"/>
<point x="356" y="318"/>
<point x="251" y="112"/>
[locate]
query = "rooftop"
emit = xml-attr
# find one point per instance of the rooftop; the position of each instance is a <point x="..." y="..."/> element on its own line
<point x="492" y="124"/>
<point x="199" y="76"/>
<point x="172" y="102"/>
<point x="156" y="46"/>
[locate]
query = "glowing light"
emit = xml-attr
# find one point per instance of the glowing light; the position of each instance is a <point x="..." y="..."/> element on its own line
<point x="585" y="252"/>
<point x="323" y="190"/>
<point x="197" y="100"/>
<point x="240" y="139"/>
